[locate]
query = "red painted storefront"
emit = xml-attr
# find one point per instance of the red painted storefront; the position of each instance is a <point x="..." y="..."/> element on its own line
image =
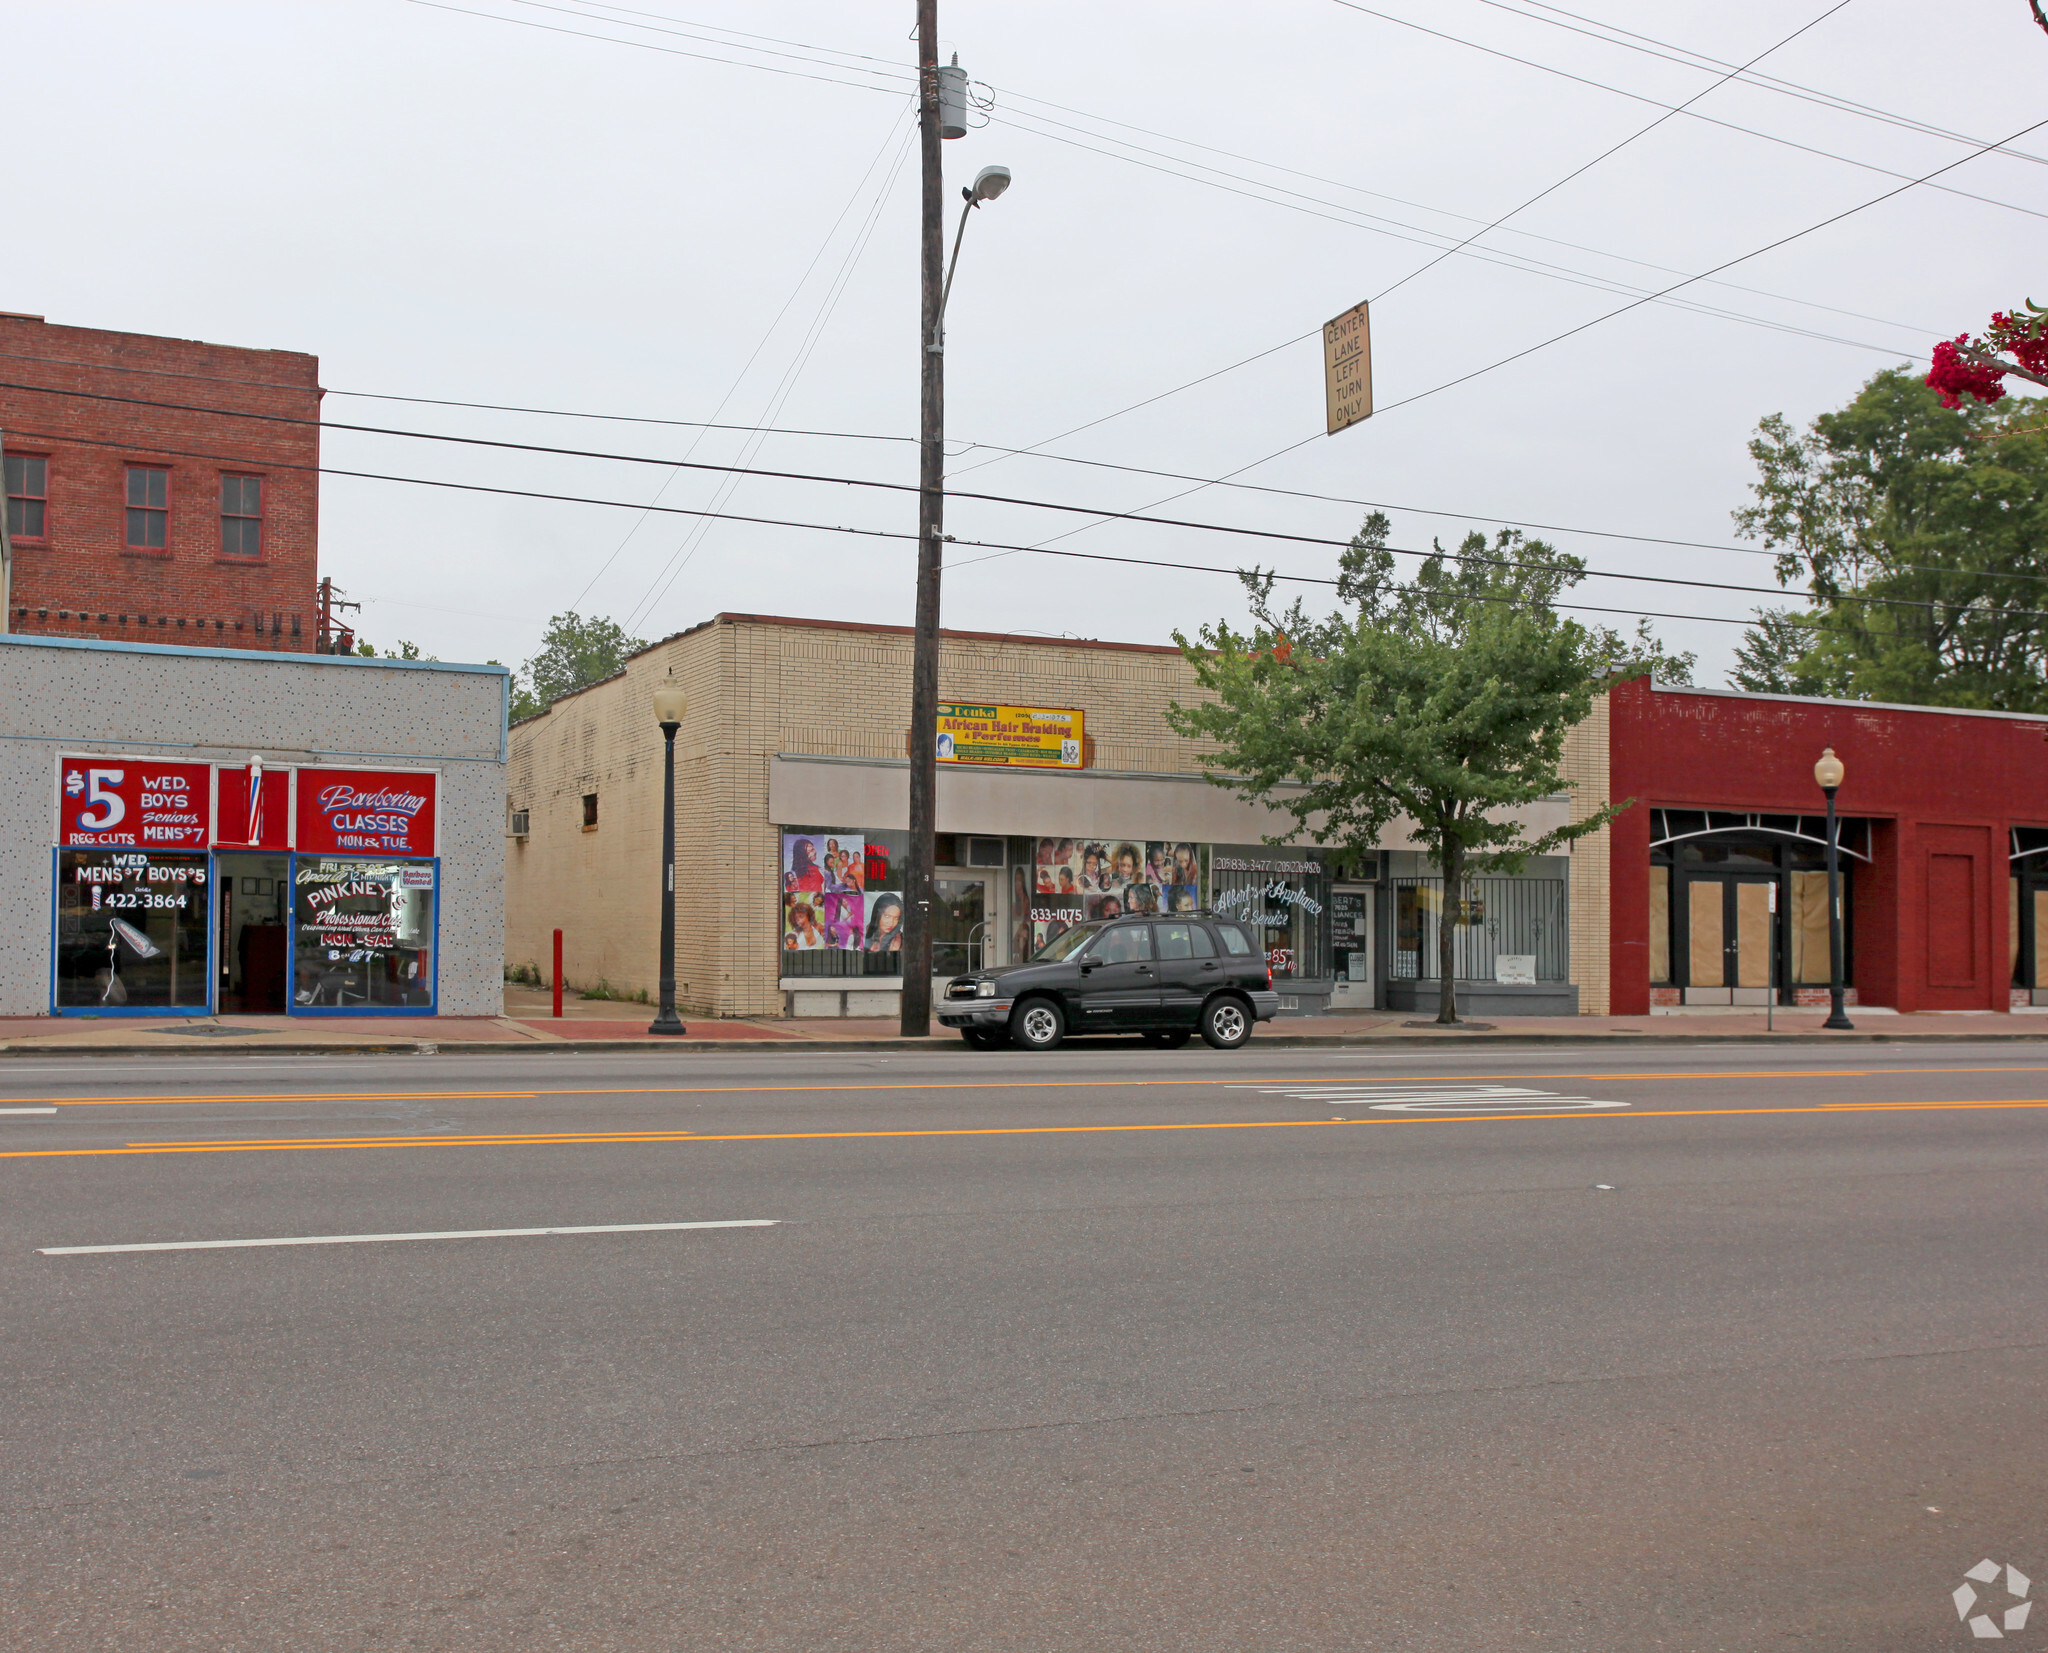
<point x="1941" y="791"/>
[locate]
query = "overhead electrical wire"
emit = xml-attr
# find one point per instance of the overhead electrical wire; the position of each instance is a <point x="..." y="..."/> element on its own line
<point x="1688" y="58"/>
<point x="1612" y="149"/>
<point x="1769" y="246"/>
<point x="745" y="367"/>
<point x="1694" y="114"/>
<point x="742" y="471"/>
<point x="679" y="559"/>
<point x="1096" y="556"/>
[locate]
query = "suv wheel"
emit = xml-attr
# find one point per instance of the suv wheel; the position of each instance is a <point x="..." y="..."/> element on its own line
<point x="1226" y="1023"/>
<point x="1037" y="1024"/>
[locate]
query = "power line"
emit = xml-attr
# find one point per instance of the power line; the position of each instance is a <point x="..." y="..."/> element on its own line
<point x="649" y="46"/>
<point x="1636" y="304"/>
<point x="1419" y="206"/>
<point x="1503" y="257"/>
<point x="747" y="365"/>
<point x="1320" y="542"/>
<point x="735" y="472"/>
<point x="1686" y="57"/>
<point x="1614" y="149"/>
<point x="1602" y="86"/>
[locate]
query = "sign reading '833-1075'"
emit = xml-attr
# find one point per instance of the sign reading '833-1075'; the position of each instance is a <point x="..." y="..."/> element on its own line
<point x="1032" y="737"/>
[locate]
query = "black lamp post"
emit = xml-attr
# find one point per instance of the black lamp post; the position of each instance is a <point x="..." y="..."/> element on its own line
<point x="670" y="704"/>
<point x="1828" y="773"/>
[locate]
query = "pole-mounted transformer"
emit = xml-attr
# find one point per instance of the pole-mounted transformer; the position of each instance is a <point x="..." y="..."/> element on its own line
<point x="953" y="100"/>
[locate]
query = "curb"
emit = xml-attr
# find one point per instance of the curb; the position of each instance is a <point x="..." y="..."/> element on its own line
<point x="939" y="1042"/>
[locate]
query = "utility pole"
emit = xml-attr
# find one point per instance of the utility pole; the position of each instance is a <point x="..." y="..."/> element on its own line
<point x="924" y="669"/>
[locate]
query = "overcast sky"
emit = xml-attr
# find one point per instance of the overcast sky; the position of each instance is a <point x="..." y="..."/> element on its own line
<point x="440" y="203"/>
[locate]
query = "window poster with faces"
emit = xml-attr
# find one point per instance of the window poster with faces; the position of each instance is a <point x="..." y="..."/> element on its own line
<point x="1078" y="879"/>
<point x="824" y="892"/>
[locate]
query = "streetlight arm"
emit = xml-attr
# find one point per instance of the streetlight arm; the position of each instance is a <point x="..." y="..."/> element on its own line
<point x="938" y="338"/>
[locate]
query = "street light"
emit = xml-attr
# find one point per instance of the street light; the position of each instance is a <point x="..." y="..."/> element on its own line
<point x="935" y="288"/>
<point x="670" y="703"/>
<point x="1827" y="774"/>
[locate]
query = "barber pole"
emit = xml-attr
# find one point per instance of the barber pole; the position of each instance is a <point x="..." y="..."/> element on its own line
<point x="255" y="800"/>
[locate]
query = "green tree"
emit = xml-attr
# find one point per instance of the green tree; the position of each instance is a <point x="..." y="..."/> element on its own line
<point x="1644" y="654"/>
<point x="1446" y="699"/>
<point x="1920" y="534"/>
<point x="574" y="653"/>
<point x="1772" y="657"/>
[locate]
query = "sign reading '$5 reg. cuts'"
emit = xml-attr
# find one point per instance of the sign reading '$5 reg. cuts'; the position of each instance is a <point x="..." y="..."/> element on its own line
<point x="1032" y="737"/>
<point x="133" y="803"/>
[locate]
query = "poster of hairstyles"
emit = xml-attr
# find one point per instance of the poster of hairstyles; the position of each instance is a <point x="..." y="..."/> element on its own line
<point x="1075" y="879"/>
<point x="824" y="877"/>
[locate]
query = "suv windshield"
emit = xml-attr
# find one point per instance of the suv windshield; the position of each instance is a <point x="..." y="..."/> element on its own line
<point x="1069" y="942"/>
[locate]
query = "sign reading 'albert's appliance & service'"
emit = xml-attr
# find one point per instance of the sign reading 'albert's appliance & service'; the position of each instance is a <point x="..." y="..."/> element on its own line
<point x="133" y="803"/>
<point x="381" y="812"/>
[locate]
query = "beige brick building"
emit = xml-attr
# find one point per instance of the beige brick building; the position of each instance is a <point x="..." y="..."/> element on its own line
<point x="797" y="730"/>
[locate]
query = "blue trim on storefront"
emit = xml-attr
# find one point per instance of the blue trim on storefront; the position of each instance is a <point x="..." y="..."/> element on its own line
<point x="205" y="1009"/>
<point x="344" y="1012"/>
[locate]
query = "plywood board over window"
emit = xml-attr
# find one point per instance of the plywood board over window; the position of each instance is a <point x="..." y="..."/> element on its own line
<point x="1703" y="914"/>
<point x="1808" y="939"/>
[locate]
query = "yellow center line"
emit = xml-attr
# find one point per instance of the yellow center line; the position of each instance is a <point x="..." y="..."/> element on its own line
<point x="979" y="1084"/>
<point x="558" y="1139"/>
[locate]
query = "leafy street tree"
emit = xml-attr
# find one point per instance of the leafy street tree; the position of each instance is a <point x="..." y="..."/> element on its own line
<point x="1768" y="659"/>
<point x="1920" y="533"/>
<point x="1445" y="700"/>
<point x="574" y="653"/>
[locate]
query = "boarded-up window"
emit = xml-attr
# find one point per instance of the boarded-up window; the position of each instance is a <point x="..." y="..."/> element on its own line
<point x="1809" y="929"/>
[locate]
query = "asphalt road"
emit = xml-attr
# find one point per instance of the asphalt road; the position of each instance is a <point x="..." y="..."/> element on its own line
<point x="1108" y="1349"/>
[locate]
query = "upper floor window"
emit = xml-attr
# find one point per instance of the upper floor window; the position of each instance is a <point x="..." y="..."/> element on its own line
<point x="241" y="516"/>
<point x="149" y="508"/>
<point x="28" y="495"/>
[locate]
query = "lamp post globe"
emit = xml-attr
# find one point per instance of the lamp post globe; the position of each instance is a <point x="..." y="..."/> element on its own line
<point x="1828" y="774"/>
<point x="670" y="706"/>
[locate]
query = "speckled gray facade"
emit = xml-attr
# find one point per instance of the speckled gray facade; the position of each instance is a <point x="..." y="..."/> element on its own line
<point x="219" y="706"/>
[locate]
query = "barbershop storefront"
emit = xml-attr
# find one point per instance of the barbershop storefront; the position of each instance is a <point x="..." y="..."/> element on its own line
<point x="192" y="831"/>
<point x="198" y="888"/>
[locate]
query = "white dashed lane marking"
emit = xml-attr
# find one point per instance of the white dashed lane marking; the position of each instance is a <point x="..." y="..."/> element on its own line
<point x="1430" y="1098"/>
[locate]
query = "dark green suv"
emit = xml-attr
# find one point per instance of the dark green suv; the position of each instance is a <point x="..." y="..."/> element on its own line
<point x="1167" y="978"/>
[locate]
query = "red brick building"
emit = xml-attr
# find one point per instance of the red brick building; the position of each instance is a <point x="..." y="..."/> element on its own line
<point x="142" y="501"/>
<point x="1719" y="893"/>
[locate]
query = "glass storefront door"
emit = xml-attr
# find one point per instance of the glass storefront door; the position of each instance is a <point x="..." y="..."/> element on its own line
<point x="959" y="925"/>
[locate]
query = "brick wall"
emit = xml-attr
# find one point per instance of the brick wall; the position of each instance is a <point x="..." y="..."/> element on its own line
<point x="81" y="579"/>
<point x="1586" y="767"/>
<point x="758" y="687"/>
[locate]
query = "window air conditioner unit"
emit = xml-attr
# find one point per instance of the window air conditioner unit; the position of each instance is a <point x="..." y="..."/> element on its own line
<point x="518" y="823"/>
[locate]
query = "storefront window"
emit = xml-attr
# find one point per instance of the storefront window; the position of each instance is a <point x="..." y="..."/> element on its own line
<point x="131" y="930"/>
<point x="363" y="934"/>
<point x="842" y="901"/>
<point x="1285" y="897"/>
<point x="1498" y="918"/>
<point x="1660" y="923"/>
<point x="1073" y="879"/>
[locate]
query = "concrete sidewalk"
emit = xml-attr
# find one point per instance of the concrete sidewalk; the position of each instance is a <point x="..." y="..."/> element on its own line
<point x="601" y="1025"/>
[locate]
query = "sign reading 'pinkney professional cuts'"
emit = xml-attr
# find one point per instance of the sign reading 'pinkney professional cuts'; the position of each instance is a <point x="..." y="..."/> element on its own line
<point x="366" y="811"/>
<point x="134" y="803"/>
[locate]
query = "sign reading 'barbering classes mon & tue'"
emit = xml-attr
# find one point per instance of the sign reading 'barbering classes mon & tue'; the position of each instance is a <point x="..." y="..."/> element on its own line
<point x="384" y="812"/>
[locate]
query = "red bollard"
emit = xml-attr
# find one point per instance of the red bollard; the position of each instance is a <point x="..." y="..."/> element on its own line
<point x="558" y="972"/>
